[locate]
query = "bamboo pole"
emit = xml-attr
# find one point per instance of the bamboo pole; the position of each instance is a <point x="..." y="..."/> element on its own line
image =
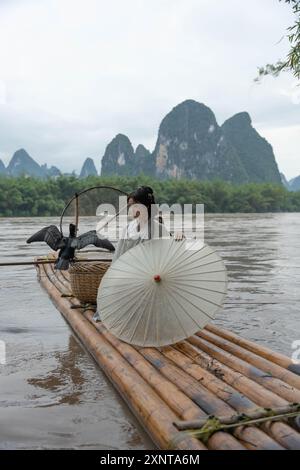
<point x="155" y="416"/>
<point x="270" y="367"/>
<point x="285" y="434"/>
<point x="262" y="351"/>
<point x="273" y="384"/>
<point x="63" y="281"/>
<point x="224" y="441"/>
<point x="50" y="261"/>
<point x="58" y="278"/>
<point x="253" y="439"/>
<point x="66" y="275"/>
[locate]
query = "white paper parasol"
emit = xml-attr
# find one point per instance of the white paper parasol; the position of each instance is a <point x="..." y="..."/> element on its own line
<point x="160" y="292"/>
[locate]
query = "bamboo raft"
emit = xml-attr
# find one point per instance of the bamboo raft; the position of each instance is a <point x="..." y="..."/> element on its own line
<point x="214" y="372"/>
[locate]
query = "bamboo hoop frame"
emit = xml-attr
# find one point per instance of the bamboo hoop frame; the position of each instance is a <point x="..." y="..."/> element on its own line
<point x="76" y="197"/>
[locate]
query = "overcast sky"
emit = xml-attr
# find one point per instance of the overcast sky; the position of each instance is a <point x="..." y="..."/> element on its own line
<point x="74" y="73"/>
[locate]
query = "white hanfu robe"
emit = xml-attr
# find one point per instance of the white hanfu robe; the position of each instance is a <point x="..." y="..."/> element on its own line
<point x="134" y="233"/>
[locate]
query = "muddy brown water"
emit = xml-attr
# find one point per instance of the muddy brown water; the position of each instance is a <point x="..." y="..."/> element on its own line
<point x="52" y="395"/>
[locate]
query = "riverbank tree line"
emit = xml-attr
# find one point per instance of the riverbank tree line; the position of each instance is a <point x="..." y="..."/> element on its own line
<point x="29" y="197"/>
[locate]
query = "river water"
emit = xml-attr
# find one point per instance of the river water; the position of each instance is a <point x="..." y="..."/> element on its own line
<point x="52" y="395"/>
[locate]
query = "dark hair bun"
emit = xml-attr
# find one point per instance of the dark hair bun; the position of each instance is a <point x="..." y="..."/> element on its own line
<point x="143" y="195"/>
<point x="148" y="189"/>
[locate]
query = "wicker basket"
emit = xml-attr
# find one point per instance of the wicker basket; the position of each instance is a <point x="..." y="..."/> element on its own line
<point x="85" y="279"/>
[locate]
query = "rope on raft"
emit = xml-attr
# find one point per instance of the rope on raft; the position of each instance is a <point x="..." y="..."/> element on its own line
<point x="204" y="428"/>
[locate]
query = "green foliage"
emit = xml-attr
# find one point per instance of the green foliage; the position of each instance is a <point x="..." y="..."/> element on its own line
<point x="292" y="61"/>
<point x="34" y="197"/>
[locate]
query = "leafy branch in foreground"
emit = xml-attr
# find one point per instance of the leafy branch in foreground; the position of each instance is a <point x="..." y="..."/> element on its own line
<point x="292" y="62"/>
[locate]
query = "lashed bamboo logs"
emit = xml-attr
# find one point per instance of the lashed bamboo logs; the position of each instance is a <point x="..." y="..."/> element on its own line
<point x="262" y="351"/>
<point x="213" y="424"/>
<point x="263" y="378"/>
<point x="228" y="394"/>
<point x="153" y="413"/>
<point x="256" y="392"/>
<point x="207" y="374"/>
<point x="250" y="436"/>
<point x="264" y="364"/>
<point x="205" y="399"/>
<point x="178" y="401"/>
<point x="284" y="434"/>
<point x="255" y="439"/>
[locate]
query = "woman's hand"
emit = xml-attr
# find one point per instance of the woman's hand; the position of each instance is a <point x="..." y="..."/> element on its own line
<point x="179" y="236"/>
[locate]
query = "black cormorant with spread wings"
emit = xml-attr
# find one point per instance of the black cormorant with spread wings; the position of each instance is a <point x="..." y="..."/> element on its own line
<point x="67" y="245"/>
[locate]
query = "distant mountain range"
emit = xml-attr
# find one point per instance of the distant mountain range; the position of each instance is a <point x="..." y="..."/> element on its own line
<point x="22" y="164"/>
<point x="190" y="144"/>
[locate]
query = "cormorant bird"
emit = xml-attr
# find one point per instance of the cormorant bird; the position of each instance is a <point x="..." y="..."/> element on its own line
<point x="67" y="245"/>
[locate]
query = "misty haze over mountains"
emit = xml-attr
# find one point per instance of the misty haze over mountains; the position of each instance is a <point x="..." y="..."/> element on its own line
<point x="190" y="145"/>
